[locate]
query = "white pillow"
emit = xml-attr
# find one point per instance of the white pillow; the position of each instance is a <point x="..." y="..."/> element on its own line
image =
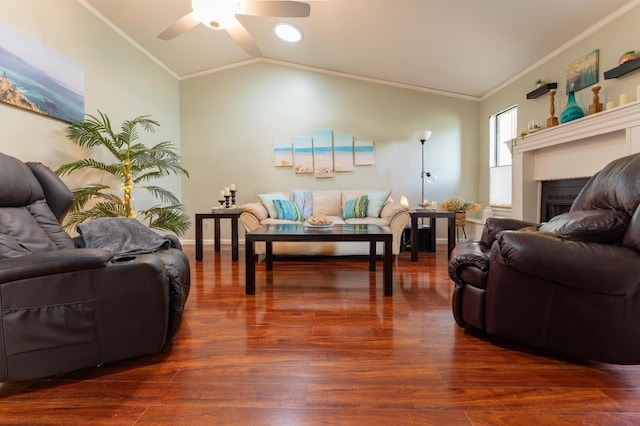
<point x="267" y="201"/>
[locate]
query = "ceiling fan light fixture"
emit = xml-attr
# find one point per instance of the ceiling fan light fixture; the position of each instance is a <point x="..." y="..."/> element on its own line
<point x="216" y="14"/>
<point x="288" y="32"/>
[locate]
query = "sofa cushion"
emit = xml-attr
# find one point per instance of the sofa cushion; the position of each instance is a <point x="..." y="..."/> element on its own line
<point x="327" y="203"/>
<point x="267" y="201"/>
<point x="287" y="210"/>
<point x="597" y="226"/>
<point x="376" y="202"/>
<point x="356" y="207"/>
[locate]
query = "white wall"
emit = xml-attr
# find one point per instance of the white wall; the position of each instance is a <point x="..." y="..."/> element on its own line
<point x="230" y="120"/>
<point x="119" y="80"/>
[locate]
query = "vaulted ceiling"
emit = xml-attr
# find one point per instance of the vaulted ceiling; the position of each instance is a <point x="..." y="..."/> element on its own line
<point x="460" y="47"/>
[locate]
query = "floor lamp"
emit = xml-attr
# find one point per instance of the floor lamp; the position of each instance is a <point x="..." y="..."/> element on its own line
<point x="423" y="137"/>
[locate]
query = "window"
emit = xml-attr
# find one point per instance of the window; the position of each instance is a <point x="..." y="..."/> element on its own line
<point x="502" y="128"/>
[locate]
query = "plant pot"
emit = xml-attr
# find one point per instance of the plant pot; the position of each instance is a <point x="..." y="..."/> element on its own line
<point x="461" y="219"/>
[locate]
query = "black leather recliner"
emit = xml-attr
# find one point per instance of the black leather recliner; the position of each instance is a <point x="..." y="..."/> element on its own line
<point x="63" y="307"/>
<point x="571" y="284"/>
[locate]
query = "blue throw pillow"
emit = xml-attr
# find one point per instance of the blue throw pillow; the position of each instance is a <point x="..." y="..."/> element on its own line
<point x="356" y="207"/>
<point x="287" y="210"/>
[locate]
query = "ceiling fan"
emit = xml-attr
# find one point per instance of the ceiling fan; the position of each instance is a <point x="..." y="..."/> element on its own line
<point x="221" y="15"/>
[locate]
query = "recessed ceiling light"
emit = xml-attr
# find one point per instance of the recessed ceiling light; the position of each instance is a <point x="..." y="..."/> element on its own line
<point x="288" y="32"/>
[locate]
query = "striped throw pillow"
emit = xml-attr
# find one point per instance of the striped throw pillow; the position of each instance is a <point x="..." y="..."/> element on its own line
<point x="356" y="207"/>
<point x="287" y="210"/>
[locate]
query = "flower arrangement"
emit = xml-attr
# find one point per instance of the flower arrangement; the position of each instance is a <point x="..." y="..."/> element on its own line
<point x="458" y="205"/>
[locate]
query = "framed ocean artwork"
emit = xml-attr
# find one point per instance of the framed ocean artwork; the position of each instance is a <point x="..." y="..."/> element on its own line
<point x="35" y="78"/>
<point x="303" y="154"/>
<point x="323" y="153"/>
<point x="583" y="72"/>
<point x="363" y="153"/>
<point x="343" y="153"/>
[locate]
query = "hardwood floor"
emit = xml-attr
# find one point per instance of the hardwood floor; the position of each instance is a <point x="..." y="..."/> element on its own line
<point x="319" y="344"/>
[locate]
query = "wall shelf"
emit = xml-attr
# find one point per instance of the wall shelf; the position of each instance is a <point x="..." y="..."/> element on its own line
<point x="623" y="69"/>
<point x="544" y="88"/>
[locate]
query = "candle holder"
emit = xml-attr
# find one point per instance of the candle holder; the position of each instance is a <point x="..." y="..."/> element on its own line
<point x="226" y="201"/>
<point x="553" y="120"/>
<point x="233" y="197"/>
<point x="596" y="106"/>
<point x="220" y="203"/>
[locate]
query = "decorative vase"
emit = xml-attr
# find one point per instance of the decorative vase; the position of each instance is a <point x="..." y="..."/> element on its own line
<point x="461" y="219"/>
<point x="572" y="110"/>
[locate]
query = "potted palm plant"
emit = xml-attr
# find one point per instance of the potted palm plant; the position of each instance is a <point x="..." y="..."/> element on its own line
<point x="134" y="165"/>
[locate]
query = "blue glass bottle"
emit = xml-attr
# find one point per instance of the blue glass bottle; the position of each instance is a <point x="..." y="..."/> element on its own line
<point x="572" y="111"/>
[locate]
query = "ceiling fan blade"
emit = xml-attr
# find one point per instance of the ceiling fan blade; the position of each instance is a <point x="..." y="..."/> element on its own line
<point x="182" y="25"/>
<point x="283" y="9"/>
<point x="241" y="36"/>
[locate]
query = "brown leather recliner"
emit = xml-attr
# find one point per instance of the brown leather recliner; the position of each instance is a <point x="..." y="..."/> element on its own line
<point x="63" y="307"/>
<point x="571" y="284"/>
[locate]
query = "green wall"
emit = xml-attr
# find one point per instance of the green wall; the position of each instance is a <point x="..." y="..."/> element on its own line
<point x="230" y="120"/>
<point x="119" y="80"/>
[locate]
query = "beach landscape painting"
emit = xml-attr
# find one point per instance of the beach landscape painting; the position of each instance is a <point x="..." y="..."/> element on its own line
<point x="343" y="153"/>
<point x="36" y="78"/>
<point x="323" y="153"/>
<point x="283" y="154"/>
<point x="303" y="154"/>
<point x="363" y="153"/>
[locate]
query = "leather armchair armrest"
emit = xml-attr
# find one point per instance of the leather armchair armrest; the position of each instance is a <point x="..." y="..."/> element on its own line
<point x="52" y="262"/>
<point x="600" y="268"/>
<point x="469" y="263"/>
<point x="494" y="225"/>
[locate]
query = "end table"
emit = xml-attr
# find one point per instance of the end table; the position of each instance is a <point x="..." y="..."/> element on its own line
<point x="216" y="215"/>
<point x="432" y="215"/>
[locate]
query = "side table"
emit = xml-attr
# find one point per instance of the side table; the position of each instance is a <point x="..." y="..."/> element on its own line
<point x="216" y="215"/>
<point x="432" y="215"/>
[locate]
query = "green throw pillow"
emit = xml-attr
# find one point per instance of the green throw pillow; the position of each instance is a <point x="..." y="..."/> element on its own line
<point x="356" y="207"/>
<point x="287" y="210"/>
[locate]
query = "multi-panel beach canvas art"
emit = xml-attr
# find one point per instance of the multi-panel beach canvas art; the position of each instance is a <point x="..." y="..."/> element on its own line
<point x="35" y="78"/>
<point x="323" y="154"/>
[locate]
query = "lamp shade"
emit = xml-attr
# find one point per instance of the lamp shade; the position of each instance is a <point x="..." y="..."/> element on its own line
<point x="423" y="135"/>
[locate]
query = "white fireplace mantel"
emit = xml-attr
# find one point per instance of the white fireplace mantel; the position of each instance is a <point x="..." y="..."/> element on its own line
<point x="575" y="149"/>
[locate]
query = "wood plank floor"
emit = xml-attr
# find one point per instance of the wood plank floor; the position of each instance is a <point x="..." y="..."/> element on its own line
<point x="319" y="344"/>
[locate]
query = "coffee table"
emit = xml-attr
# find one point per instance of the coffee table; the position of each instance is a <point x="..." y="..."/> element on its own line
<point x="294" y="232"/>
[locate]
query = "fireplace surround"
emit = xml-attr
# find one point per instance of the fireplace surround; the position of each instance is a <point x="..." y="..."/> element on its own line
<point x="577" y="149"/>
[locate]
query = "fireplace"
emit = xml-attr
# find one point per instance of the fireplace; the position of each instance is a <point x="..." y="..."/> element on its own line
<point x="576" y="149"/>
<point x="557" y="196"/>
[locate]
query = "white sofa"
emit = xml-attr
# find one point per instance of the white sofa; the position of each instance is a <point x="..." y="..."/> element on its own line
<point x="391" y="215"/>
